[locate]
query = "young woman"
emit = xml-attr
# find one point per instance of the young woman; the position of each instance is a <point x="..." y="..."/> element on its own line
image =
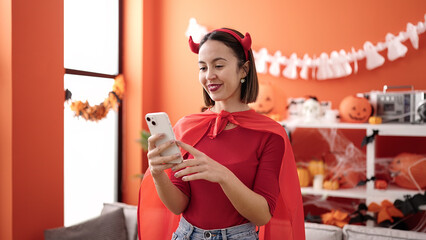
<point x="239" y="170"/>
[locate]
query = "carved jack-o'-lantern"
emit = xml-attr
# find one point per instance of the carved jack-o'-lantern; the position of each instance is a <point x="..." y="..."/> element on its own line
<point x="265" y="102"/>
<point x="268" y="101"/>
<point x="355" y="109"/>
<point x="409" y="169"/>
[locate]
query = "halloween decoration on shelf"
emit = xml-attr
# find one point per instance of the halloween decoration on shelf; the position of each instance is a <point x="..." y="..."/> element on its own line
<point x="363" y="182"/>
<point x="409" y="171"/>
<point x="360" y="215"/>
<point x="385" y="211"/>
<point x="311" y="110"/>
<point x="369" y="139"/>
<point x="270" y="101"/>
<point x="317" y="167"/>
<point x="355" y="109"/>
<point x="304" y="177"/>
<point x="331" y="185"/>
<point x="97" y="112"/>
<point x="375" y="120"/>
<point x="336" y="218"/>
<point x="410" y="204"/>
<point x="337" y="64"/>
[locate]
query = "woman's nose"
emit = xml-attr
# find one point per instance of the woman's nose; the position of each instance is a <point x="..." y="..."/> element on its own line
<point x="211" y="74"/>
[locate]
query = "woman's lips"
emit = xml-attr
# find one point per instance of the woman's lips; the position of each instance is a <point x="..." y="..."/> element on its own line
<point x="213" y="87"/>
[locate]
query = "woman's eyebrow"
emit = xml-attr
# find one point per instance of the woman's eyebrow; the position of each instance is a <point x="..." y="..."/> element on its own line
<point x="215" y="60"/>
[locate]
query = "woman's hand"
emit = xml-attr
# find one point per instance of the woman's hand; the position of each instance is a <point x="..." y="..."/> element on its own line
<point x="157" y="163"/>
<point x="200" y="167"/>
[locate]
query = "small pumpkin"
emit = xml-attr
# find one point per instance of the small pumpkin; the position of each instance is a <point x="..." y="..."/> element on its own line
<point x="375" y="120"/>
<point x="316" y="167"/>
<point x="355" y="109"/>
<point x="331" y="185"/>
<point x="407" y="167"/>
<point x="304" y="176"/>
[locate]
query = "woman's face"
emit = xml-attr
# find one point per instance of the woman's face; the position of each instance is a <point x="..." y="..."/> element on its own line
<point x="219" y="73"/>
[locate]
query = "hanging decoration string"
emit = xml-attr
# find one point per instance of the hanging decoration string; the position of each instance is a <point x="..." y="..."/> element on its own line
<point x="335" y="65"/>
<point x="98" y="112"/>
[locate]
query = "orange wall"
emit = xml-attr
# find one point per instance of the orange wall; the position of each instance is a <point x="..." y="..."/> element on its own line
<point x="31" y="73"/>
<point x="293" y="27"/>
<point x="170" y="71"/>
<point x="5" y="120"/>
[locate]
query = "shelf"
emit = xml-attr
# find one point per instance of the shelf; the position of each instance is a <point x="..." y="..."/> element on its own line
<point x="395" y="192"/>
<point x="387" y="129"/>
<point x="358" y="192"/>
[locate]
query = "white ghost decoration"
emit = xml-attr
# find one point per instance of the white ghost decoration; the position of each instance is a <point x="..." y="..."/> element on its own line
<point x="374" y="59"/>
<point x="345" y="62"/>
<point x="324" y="70"/>
<point x="290" y="71"/>
<point x="395" y="48"/>
<point x="195" y="30"/>
<point x="306" y="63"/>
<point x="412" y="35"/>
<point x="260" y="59"/>
<point x="355" y="60"/>
<point x="336" y="65"/>
<point x="276" y="62"/>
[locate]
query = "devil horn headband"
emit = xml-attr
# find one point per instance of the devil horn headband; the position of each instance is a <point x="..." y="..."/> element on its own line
<point x="245" y="42"/>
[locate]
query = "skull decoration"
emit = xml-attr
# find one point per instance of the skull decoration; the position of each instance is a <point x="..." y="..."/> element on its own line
<point x="311" y="110"/>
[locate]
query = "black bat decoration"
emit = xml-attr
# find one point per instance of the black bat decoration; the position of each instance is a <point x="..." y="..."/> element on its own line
<point x="68" y="94"/>
<point x="368" y="139"/>
<point x="363" y="182"/>
<point x="360" y="216"/>
<point x="313" y="218"/>
<point x="410" y="204"/>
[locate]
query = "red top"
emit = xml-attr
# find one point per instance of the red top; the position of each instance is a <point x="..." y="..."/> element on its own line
<point x="155" y="221"/>
<point x="253" y="156"/>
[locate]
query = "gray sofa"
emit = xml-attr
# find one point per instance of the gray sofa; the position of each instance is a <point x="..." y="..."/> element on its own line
<point x="118" y="221"/>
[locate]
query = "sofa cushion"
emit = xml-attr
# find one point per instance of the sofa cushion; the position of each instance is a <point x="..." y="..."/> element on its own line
<point x="110" y="226"/>
<point x="354" y="232"/>
<point x="315" y="231"/>
<point x="130" y="215"/>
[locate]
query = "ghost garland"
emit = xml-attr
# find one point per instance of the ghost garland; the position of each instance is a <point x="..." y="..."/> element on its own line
<point x="98" y="112"/>
<point x="335" y="65"/>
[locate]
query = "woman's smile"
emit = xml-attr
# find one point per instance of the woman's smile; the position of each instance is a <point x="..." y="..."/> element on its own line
<point x="213" y="87"/>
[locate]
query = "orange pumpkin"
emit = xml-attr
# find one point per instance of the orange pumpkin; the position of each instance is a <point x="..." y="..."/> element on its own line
<point x="316" y="167"/>
<point x="304" y="176"/>
<point x="269" y="101"/>
<point x="355" y="109"/>
<point x="331" y="185"/>
<point x="404" y="164"/>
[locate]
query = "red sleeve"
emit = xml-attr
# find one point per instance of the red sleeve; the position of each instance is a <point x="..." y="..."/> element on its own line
<point x="268" y="172"/>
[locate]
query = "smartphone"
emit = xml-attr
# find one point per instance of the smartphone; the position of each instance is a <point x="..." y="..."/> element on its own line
<point x="159" y="122"/>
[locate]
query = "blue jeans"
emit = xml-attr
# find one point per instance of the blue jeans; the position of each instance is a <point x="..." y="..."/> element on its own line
<point x="187" y="231"/>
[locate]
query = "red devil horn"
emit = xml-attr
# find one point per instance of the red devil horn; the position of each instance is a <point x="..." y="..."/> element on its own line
<point x="194" y="46"/>
<point x="246" y="42"/>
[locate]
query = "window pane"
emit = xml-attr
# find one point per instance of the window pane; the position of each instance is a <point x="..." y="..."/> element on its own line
<point x="91" y="35"/>
<point x="90" y="152"/>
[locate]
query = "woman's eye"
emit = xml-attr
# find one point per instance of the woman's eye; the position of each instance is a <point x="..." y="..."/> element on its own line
<point x="202" y="68"/>
<point x="219" y="66"/>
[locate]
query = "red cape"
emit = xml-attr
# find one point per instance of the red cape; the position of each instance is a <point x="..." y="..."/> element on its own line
<point x="155" y="221"/>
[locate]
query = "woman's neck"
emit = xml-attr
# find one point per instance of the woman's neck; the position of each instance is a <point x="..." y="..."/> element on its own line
<point x="219" y="106"/>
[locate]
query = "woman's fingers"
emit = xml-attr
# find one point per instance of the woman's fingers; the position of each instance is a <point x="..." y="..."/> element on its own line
<point x="152" y="139"/>
<point x="193" y="151"/>
<point x="163" y="160"/>
<point x="190" y="170"/>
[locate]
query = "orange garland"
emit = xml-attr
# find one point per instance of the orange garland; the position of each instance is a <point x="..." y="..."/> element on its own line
<point x="386" y="211"/>
<point x="335" y="217"/>
<point x="97" y="112"/>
